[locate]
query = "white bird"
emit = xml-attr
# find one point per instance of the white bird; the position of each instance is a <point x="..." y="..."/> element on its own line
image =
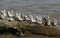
<point x="11" y="13"/>
<point x="18" y="15"/>
<point x="44" y="17"/>
<point x="4" y="13"/>
<point x="55" y="21"/>
<point x="23" y="16"/>
<point x="39" y="19"/>
<point x="48" y="17"/>
<point x="32" y="18"/>
<point x="46" y="20"/>
<point x="27" y="18"/>
<point x="49" y="22"/>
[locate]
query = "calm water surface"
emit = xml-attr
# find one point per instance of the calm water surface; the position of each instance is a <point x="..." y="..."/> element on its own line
<point x="43" y="6"/>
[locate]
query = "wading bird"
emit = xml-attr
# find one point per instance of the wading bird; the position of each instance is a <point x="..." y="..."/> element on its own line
<point x="10" y="15"/>
<point x="4" y="14"/>
<point x="44" y="18"/>
<point x="18" y="16"/>
<point x="39" y="19"/>
<point x="27" y="18"/>
<point x="49" y="22"/>
<point x="33" y="20"/>
<point x="55" y="22"/>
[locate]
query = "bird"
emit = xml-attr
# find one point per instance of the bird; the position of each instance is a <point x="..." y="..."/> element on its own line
<point x="39" y="19"/>
<point x="4" y="14"/>
<point x="10" y="16"/>
<point x="23" y="16"/>
<point x="47" y="17"/>
<point x="11" y="13"/>
<point x="44" y="20"/>
<point x="27" y="17"/>
<point x="18" y="16"/>
<point x="33" y="20"/>
<point x="55" y="21"/>
<point x="49" y="22"/>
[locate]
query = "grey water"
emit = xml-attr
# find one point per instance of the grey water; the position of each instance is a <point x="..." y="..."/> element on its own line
<point x="36" y="6"/>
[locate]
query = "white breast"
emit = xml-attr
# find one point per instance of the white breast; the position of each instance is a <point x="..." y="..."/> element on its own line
<point x="18" y="15"/>
<point x="39" y="19"/>
<point x="27" y="18"/>
<point x="49" y="22"/>
<point x="10" y="13"/>
<point x="55" y="21"/>
<point x="32" y="18"/>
